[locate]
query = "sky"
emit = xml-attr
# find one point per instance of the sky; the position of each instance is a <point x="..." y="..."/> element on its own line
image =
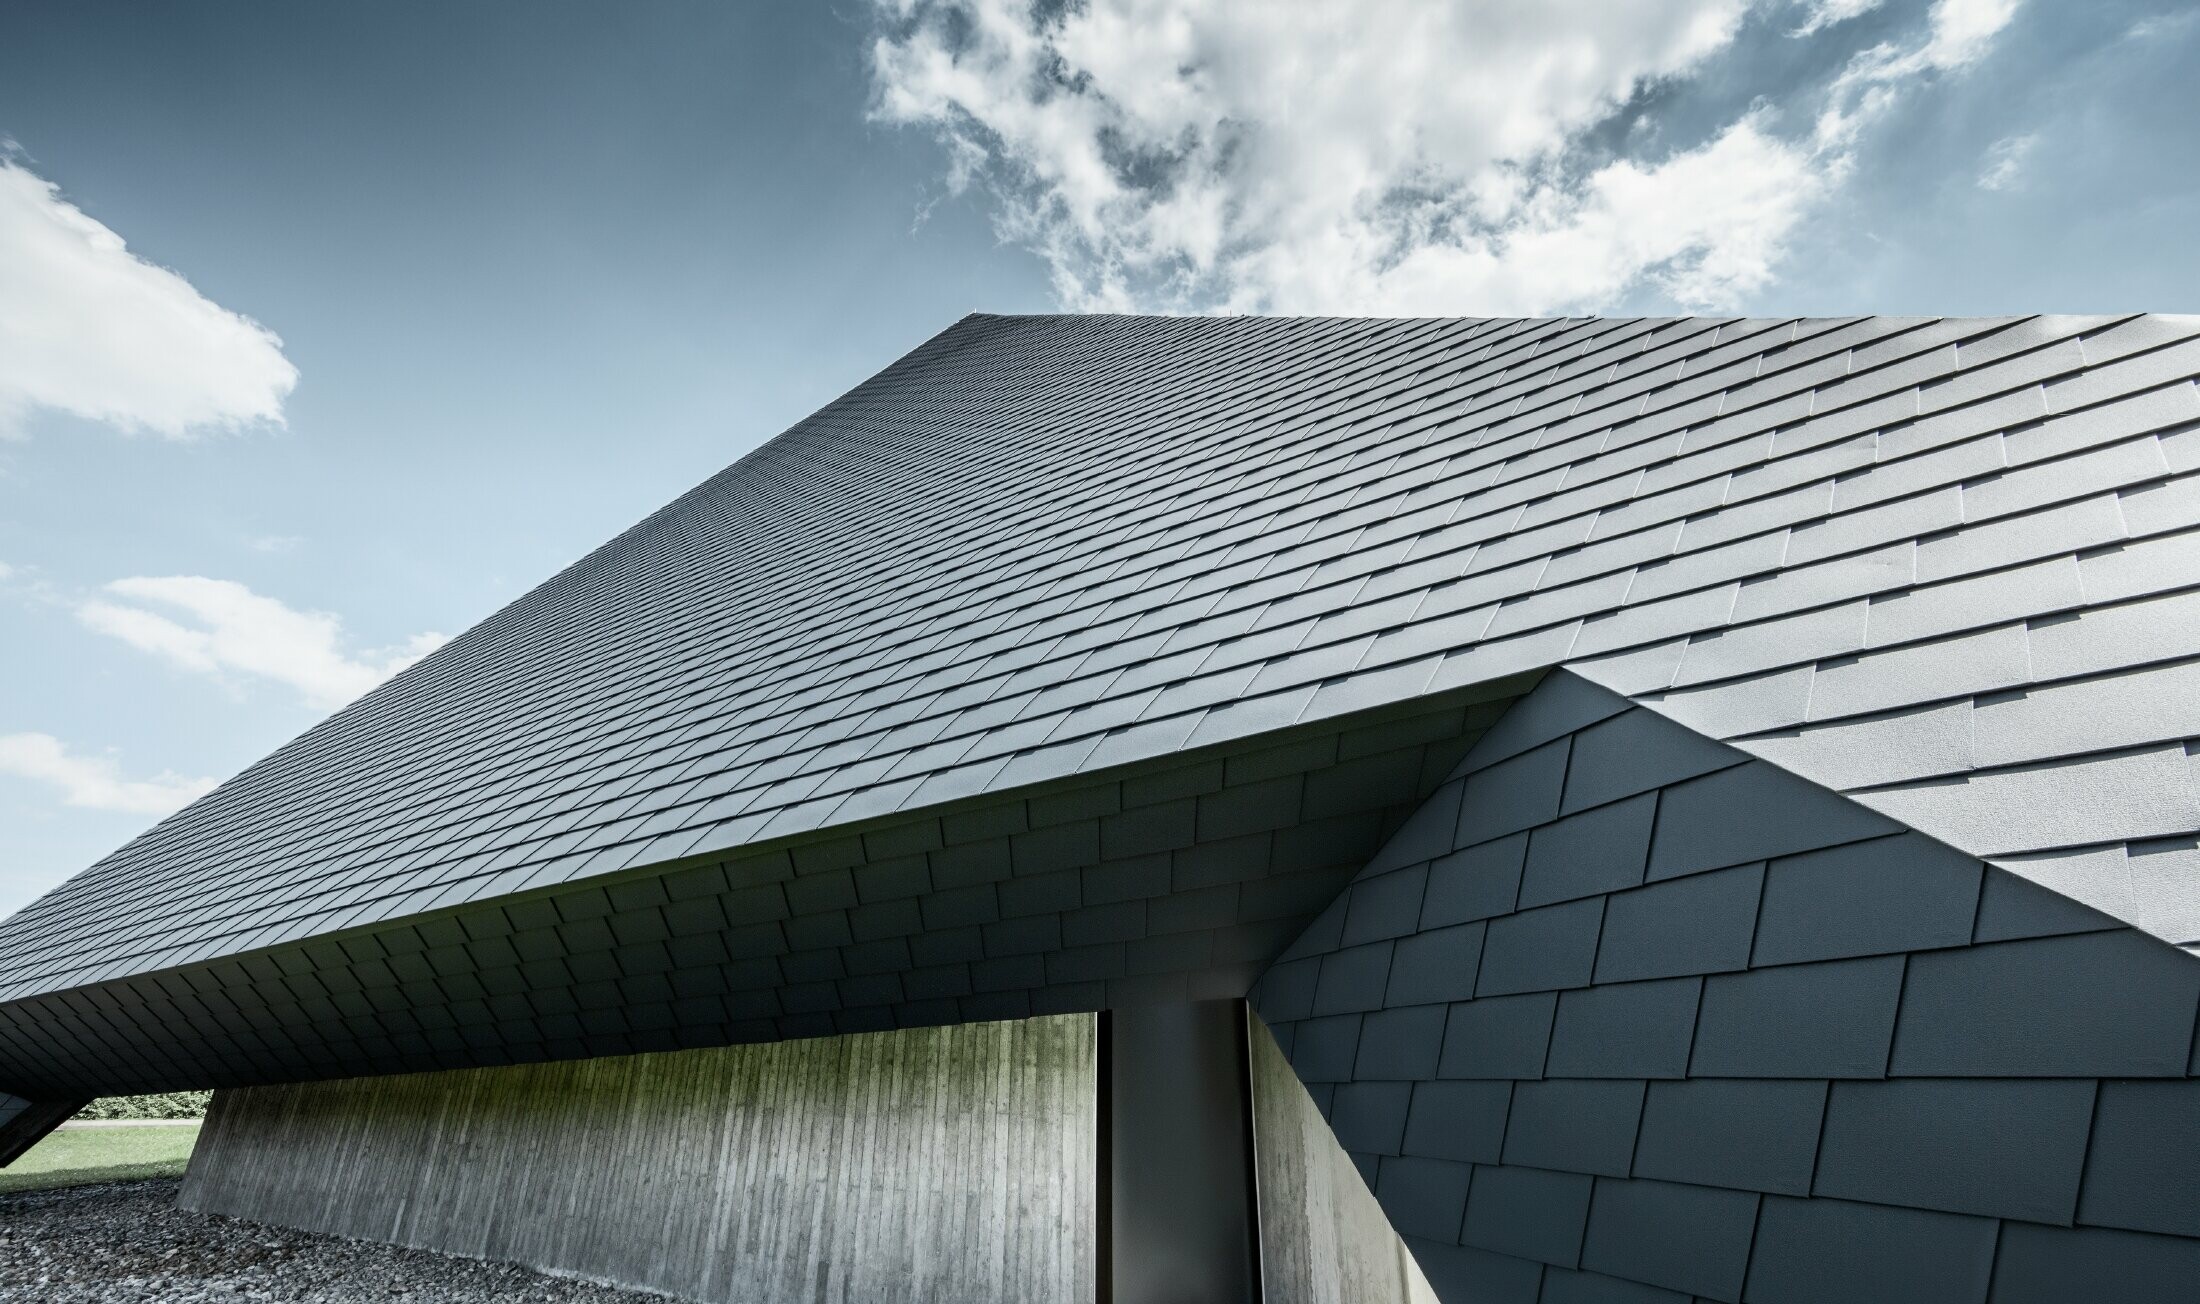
<point x="326" y="331"/>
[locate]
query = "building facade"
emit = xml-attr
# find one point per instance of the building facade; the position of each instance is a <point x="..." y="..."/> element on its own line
<point x="1159" y="808"/>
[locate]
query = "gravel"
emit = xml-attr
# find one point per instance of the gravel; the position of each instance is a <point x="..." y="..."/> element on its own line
<point x="122" y="1242"/>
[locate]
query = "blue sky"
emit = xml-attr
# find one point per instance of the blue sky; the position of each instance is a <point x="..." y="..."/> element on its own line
<point x="334" y="329"/>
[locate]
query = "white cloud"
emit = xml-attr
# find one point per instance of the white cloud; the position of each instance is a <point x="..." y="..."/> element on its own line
<point x="1383" y="156"/>
<point x="1821" y="14"/>
<point x="2005" y="160"/>
<point x="228" y="629"/>
<point x="90" y="329"/>
<point x="7" y="572"/>
<point x="1959" y="33"/>
<point x="274" y="542"/>
<point x="95" y="782"/>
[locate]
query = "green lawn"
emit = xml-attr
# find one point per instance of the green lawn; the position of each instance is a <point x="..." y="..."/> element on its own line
<point x="76" y="1155"/>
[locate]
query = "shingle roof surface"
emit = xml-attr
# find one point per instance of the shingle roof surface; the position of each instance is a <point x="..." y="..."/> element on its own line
<point x="1948" y="566"/>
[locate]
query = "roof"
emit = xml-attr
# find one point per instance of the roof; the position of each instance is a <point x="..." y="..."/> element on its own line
<point x="1947" y="566"/>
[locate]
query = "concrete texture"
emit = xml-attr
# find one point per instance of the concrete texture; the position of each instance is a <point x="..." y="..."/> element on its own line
<point x="930" y="1165"/>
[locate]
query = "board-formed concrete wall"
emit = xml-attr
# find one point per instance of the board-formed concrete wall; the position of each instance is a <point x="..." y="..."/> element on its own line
<point x="1323" y="1238"/>
<point x="938" y="1164"/>
<point x="1623" y="1015"/>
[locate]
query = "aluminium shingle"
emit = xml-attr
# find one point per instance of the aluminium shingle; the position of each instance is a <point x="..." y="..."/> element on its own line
<point x="1461" y="1120"/>
<point x="1541" y="949"/>
<point x="1832" y="1019"/>
<point x="1835" y="1251"/>
<point x="1574" y="1125"/>
<point x="1902" y="893"/>
<point x="1529" y="1213"/>
<point x="1748" y="813"/>
<point x="2114" y="1002"/>
<point x="1750" y="1135"/>
<point x="1038" y="546"/>
<point x="1624" y="1030"/>
<point x="1588" y="853"/>
<point x="2006" y="1149"/>
<point x="1686" y="1238"/>
<point x="1496" y="1037"/>
<point x="2047" y="1265"/>
<point x="2138" y="1171"/>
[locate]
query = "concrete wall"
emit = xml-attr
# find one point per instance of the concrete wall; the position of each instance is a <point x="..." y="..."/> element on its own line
<point x="943" y="1164"/>
<point x="1621" y="1014"/>
<point x="1323" y="1238"/>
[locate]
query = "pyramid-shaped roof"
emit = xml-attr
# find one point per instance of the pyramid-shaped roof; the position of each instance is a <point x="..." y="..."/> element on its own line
<point x="1947" y="566"/>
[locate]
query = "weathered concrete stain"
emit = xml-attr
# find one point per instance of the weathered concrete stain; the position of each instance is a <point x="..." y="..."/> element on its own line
<point x="935" y="1164"/>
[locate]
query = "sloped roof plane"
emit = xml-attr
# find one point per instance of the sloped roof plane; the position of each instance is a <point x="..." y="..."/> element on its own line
<point x="1950" y="567"/>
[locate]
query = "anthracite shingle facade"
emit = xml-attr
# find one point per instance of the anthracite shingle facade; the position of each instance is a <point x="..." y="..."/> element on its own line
<point x="1619" y="1002"/>
<point x="1081" y="663"/>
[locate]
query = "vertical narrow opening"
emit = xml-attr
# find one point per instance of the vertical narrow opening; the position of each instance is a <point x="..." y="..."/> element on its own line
<point x="1104" y="1174"/>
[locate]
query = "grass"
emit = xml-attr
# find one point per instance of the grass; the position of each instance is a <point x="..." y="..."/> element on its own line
<point x="78" y="1155"/>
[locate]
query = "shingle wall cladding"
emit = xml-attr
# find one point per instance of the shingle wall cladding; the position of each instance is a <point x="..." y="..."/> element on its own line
<point x="1950" y="564"/>
<point x="1761" y="1044"/>
<point x="1170" y="881"/>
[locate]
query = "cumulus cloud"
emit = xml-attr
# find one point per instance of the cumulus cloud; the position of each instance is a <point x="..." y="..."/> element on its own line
<point x="95" y="782"/>
<point x="1384" y="156"/>
<point x="90" y="329"/>
<point x="221" y="627"/>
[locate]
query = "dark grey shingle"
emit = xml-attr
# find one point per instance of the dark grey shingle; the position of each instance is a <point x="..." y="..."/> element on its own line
<point x="1751" y="812"/>
<point x="1598" y="850"/>
<point x="1541" y="950"/>
<point x="2111" y="1004"/>
<point x="1694" y="925"/>
<point x="2006" y="1149"/>
<point x="1574" y="1125"/>
<point x="1528" y="1213"/>
<point x="1627" y="1030"/>
<point x="1437" y="965"/>
<point x="2139" y="1173"/>
<point x="1386" y="905"/>
<point x="1498" y="1037"/>
<point x="1353" y="979"/>
<point x="1400" y="1045"/>
<point x="1476" y="882"/>
<point x="1370" y="1117"/>
<point x="1634" y="752"/>
<point x="1833" y="1019"/>
<point x="1513" y="794"/>
<point x="1749" y="1135"/>
<point x="1423" y="1197"/>
<point x="1566" y="1286"/>
<point x="2055" y="1265"/>
<point x="1905" y="893"/>
<point x="1322" y="1050"/>
<point x="1687" y="1238"/>
<point x="1838" y="1252"/>
<point x="1458" y="1120"/>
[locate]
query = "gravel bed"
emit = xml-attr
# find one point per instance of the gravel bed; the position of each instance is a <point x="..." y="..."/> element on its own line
<point x="125" y="1242"/>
